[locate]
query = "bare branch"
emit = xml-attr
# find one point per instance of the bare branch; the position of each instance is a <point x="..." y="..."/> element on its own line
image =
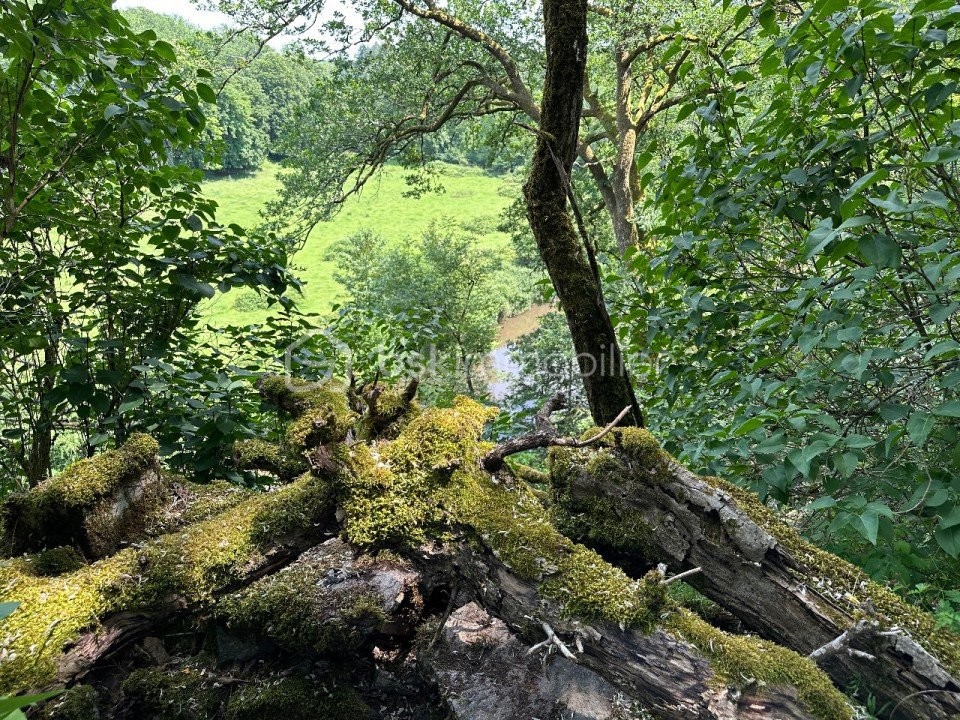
<point x="863" y="628"/>
<point x="681" y="576"/>
<point x="545" y="435"/>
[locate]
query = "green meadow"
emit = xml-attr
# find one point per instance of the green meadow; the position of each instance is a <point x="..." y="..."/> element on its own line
<point x="472" y="200"/>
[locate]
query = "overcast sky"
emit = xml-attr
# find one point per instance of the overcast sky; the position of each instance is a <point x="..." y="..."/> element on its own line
<point x="183" y="8"/>
<point x="208" y="20"/>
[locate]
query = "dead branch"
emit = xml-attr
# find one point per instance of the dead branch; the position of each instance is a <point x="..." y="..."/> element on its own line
<point x="544" y="435"/>
<point x="863" y="628"/>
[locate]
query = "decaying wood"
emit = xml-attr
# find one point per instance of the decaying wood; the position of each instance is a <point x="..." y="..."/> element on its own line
<point x="496" y="639"/>
<point x="775" y="592"/>
<point x="118" y="632"/>
<point x="668" y="677"/>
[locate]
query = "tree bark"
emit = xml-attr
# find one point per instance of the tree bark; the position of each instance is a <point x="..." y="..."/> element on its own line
<point x="669" y="677"/>
<point x="756" y="568"/>
<point x="607" y="384"/>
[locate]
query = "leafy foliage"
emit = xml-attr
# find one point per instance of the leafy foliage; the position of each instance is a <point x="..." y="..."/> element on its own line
<point x="427" y="308"/>
<point x="252" y="93"/>
<point x="800" y="319"/>
<point x="106" y="249"/>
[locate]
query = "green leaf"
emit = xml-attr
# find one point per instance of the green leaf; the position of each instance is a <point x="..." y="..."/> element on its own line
<point x="129" y="405"/>
<point x="870" y="524"/>
<point x="748" y="426"/>
<point x="919" y="427"/>
<point x="950" y="409"/>
<point x="7" y="608"/>
<point x="206" y="93"/>
<point x="112" y="111"/>
<point x="866" y="181"/>
<point x="846" y="464"/>
<point x="819" y="238"/>
<point x="822" y="503"/>
<point x="192" y="283"/>
<point x="951" y="519"/>
<point x="858" y="442"/>
<point x="949" y="540"/>
<point x="802" y="457"/>
<point x="880" y="251"/>
<point x="9" y="704"/>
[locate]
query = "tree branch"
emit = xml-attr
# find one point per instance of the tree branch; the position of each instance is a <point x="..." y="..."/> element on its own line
<point x="545" y="435"/>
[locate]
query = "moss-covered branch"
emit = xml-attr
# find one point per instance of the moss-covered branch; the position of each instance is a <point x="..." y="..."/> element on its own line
<point x="429" y="483"/>
<point x="190" y="567"/>
<point x="94" y="504"/>
<point x="631" y="498"/>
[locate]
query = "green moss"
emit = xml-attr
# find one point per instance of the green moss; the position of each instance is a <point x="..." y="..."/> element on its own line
<point x="300" y="608"/>
<point x="64" y="509"/>
<point x="257" y="454"/>
<point x="597" y="520"/>
<point x="441" y="438"/>
<point x="321" y="412"/>
<point x="529" y="475"/>
<point x="510" y="520"/>
<point x="88" y="480"/>
<point x="744" y="661"/>
<point x="643" y="447"/>
<point x="394" y="412"/>
<point x="190" y="564"/>
<point x="57" y="561"/>
<point x="297" y="698"/>
<point x="52" y="613"/>
<point x="390" y="489"/>
<point x="207" y="555"/>
<point x="206" y="500"/>
<point x="77" y="703"/>
<point x="182" y="694"/>
<point x="384" y="507"/>
<point x="592" y="589"/>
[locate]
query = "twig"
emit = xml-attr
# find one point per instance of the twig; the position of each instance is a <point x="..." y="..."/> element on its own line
<point x="681" y="576"/>
<point x="554" y="641"/>
<point x="545" y="435"/>
<point x="607" y="429"/>
<point x="841" y="643"/>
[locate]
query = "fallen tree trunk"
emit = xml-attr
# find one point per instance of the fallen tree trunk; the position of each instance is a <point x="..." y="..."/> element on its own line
<point x="633" y="498"/>
<point x="684" y="669"/>
<point x="429" y="543"/>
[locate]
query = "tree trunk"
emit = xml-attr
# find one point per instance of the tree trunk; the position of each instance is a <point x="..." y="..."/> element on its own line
<point x="640" y="504"/>
<point x="448" y="591"/>
<point x="624" y="226"/>
<point x="605" y="377"/>
<point x="41" y="446"/>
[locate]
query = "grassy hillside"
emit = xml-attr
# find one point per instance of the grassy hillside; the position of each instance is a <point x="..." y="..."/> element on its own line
<point x="472" y="199"/>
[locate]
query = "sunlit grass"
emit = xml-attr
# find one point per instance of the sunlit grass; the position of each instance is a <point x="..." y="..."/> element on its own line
<point x="472" y="199"/>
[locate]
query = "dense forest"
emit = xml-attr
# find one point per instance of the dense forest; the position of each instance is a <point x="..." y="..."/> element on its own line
<point x="716" y="306"/>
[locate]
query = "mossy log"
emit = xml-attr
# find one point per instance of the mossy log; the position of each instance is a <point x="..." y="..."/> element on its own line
<point x="380" y="557"/>
<point x="95" y="505"/>
<point x="632" y="499"/>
